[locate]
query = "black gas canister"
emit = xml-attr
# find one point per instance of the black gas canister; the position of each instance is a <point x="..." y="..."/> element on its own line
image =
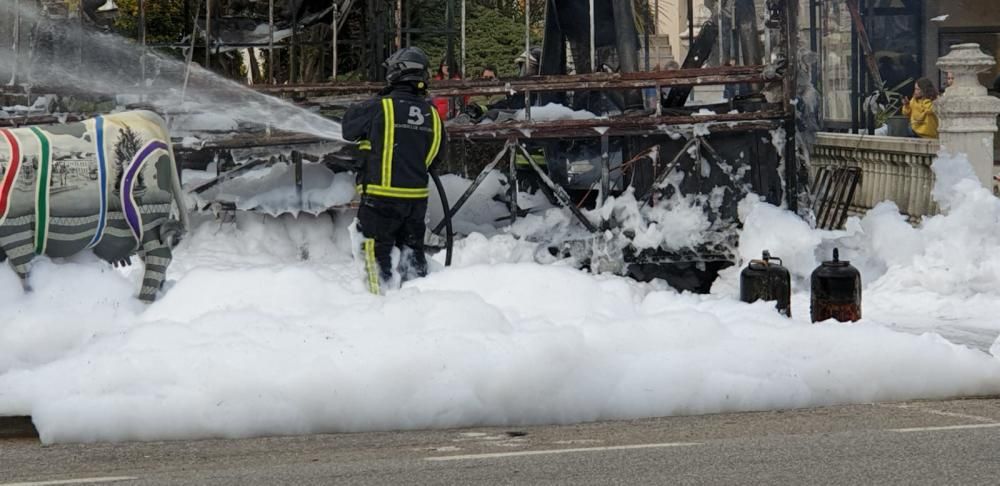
<point x="767" y="279"/>
<point x="836" y="291"/>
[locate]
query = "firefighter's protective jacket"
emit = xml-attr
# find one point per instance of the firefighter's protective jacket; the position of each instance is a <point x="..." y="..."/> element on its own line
<point x="402" y="135"/>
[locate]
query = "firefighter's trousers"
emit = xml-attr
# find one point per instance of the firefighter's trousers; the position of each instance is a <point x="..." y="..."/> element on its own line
<point x="387" y="223"/>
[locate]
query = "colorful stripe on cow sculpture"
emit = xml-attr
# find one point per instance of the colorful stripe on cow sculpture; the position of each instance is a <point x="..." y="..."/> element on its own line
<point x="9" y="175"/>
<point x="102" y="181"/>
<point x="43" y="184"/>
<point x="128" y="181"/>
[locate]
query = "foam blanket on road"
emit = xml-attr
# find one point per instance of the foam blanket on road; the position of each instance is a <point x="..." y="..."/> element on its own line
<point x="266" y="328"/>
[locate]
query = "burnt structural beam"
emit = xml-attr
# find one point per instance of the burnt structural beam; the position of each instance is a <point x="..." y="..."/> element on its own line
<point x="208" y="34"/>
<point x="16" y="48"/>
<point x="627" y="42"/>
<point x="554" y="83"/>
<point x="751" y="47"/>
<point x="455" y="208"/>
<point x="450" y="42"/>
<point x="228" y="175"/>
<point x="790" y="89"/>
<point x="625" y="126"/>
<point x="62" y="90"/>
<point x="252" y="141"/>
<point x="596" y="81"/>
<point x="244" y="45"/>
<point x="21" y="121"/>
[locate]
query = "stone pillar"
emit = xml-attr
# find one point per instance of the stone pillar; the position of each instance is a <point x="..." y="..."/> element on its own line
<point x="967" y="115"/>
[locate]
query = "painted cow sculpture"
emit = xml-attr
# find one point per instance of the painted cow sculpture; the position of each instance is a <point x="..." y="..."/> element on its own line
<point x="109" y="184"/>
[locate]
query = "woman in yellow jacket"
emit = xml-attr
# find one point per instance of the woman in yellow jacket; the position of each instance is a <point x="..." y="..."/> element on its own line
<point x="920" y="109"/>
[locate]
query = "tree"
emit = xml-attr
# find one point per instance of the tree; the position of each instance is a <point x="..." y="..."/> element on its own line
<point x="166" y="24"/>
<point x="494" y="33"/>
<point x="165" y="21"/>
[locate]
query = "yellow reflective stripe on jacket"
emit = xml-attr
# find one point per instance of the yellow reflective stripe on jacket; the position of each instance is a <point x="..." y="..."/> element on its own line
<point x="388" y="139"/>
<point x="436" y="143"/>
<point x="371" y="267"/>
<point x="521" y="161"/>
<point x="365" y="145"/>
<point x="397" y="192"/>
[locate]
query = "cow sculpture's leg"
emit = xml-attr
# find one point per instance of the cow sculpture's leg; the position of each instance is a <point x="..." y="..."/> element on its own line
<point x="20" y="249"/>
<point x="21" y="270"/>
<point x="156" y="255"/>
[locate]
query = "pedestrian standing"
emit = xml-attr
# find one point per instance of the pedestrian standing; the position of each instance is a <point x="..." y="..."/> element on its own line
<point x="920" y="109"/>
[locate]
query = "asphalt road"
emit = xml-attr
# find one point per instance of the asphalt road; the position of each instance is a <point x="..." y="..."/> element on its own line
<point x="942" y="442"/>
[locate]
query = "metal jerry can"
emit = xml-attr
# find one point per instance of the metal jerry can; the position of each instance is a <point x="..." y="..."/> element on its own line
<point x="769" y="281"/>
<point x="836" y="291"/>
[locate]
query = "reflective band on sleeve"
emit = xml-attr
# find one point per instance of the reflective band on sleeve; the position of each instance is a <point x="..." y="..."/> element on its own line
<point x="523" y="162"/>
<point x="365" y="145"/>
<point x="396" y="192"/>
<point x="436" y="142"/>
<point x="388" y="140"/>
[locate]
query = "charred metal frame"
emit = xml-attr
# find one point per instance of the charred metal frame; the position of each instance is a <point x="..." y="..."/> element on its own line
<point x="22" y="121"/>
<point x="775" y="115"/>
<point x="580" y="82"/>
<point x="512" y="147"/>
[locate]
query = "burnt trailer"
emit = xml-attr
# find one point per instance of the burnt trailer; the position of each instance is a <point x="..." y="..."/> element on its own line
<point x="711" y="155"/>
<point x="671" y="154"/>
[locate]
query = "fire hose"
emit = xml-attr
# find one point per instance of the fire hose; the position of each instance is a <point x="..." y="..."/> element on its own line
<point x="446" y="209"/>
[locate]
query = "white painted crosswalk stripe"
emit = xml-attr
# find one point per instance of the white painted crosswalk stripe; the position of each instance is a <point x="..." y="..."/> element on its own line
<point x="111" y="479"/>
<point x="560" y="451"/>
<point x="947" y="427"/>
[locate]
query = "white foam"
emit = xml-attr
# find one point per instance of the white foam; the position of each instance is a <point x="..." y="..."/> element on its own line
<point x="267" y="329"/>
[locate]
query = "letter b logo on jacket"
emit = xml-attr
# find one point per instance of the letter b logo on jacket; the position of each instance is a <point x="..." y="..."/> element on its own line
<point x="416" y="116"/>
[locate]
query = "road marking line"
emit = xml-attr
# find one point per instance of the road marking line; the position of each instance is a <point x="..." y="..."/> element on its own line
<point x="73" y="481"/>
<point x="932" y="411"/>
<point x="947" y="427"/>
<point x="560" y="451"/>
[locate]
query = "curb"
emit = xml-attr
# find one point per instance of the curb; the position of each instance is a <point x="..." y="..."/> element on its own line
<point x="17" y="427"/>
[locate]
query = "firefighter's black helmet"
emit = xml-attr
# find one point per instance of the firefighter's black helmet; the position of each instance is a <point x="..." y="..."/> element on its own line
<point x="406" y="64"/>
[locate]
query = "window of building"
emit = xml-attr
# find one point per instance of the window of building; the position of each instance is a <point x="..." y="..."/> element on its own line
<point x="835" y="59"/>
<point x="895" y="35"/>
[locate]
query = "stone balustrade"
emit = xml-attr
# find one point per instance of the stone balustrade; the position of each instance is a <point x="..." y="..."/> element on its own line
<point x="892" y="169"/>
<point x="899" y="169"/>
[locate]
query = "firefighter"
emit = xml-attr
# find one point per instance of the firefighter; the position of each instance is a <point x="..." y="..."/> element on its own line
<point x="401" y="135"/>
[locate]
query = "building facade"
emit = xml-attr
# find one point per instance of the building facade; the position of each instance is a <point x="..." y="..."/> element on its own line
<point x="906" y="36"/>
